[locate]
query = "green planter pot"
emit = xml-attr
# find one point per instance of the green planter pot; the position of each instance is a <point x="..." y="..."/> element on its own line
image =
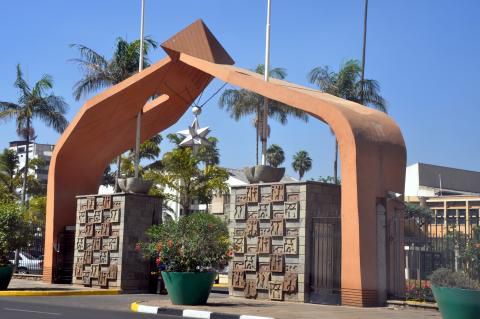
<point x="6" y="273"/>
<point x="456" y="303"/>
<point x="188" y="288"/>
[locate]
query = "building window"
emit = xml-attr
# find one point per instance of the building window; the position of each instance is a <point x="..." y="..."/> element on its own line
<point x="473" y="216"/>
<point x="451" y="216"/>
<point x="439" y="216"/>
<point x="462" y="216"/>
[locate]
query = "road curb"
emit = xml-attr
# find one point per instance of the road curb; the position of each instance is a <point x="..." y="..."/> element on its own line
<point x="31" y="293"/>
<point x="190" y="313"/>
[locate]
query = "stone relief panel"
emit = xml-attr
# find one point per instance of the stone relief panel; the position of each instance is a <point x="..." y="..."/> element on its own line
<point x="276" y="263"/>
<point x="278" y="214"/>
<point x="241" y="199"/>
<point x="82" y="217"/>
<point x="263" y="279"/>
<point x="115" y="215"/>
<point x="277" y="249"/>
<point x="238" y="265"/>
<point x="290" y="245"/>
<point x="97" y="244"/>
<point x="265" y="198"/>
<point x="252" y="194"/>
<point x="250" y="262"/>
<point x="252" y="227"/>
<point x="264" y="245"/>
<point x="107" y="202"/>
<point x="112" y="271"/>
<point x="104" y="257"/>
<point x="293" y="197"/>
<point x="238" y="279"/>
<point x="291" y="210"/>
<point x="292" y="268"/>
<point x="80" y="244"/>
<point x="275" y="291"/>
<point x="113" y="243"/>
<point x="106" y="229"/>
<point x="95" y="271"/>
<point x="251" y="249"/>
<point x="239" y="232"/>
<point x="264" y="211"/>
<point x="87" y="257"/>
<point x="278" y="193"/>
<point x="90" y="203"/>
<point x="250" y="288"/>
<point x="97" y="217"/>
<point x="240" y="212"/>
<point x="290" y="283"/>
<point x="103" y="280"/>
<point x="293" y="232"/>
<point x="89" y="230"/>
<point x="264" y="267"/>
<point x="79" y="270"/>
<point x="277" y="227"/>
<point x="87" y="280"/>
<point x="239" y="244"/>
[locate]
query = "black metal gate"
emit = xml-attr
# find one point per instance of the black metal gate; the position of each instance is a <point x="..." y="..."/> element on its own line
<point x="325" y="262"/>
<point x="64" y="260"/>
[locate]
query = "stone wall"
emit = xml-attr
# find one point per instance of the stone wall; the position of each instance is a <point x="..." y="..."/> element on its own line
<point x="268" y="224"/>
<point x="107" y="229"/>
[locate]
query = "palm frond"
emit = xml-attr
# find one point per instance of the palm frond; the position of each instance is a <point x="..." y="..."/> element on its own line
<point x="20" y="82"/>
<point x="90" y="55"/>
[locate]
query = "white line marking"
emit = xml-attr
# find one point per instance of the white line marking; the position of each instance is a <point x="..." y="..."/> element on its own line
<point x="254" y="317"/>
<point x="32" y="311"/>
<point x="147" y="309"/>
<point x="196" y="314"/>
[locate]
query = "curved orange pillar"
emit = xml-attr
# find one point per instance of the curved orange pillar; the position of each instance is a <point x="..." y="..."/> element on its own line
<point x="371" y="146"/>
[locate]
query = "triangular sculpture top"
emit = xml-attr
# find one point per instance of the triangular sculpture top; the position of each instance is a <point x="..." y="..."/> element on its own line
<point x="198" y="41"/>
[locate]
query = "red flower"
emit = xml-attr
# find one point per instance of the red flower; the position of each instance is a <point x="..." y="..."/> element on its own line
<point x="138" y="247"/>
<point x="159" y="247"/>
<point x="158" y="261"/>
<point x="230" y="253"/>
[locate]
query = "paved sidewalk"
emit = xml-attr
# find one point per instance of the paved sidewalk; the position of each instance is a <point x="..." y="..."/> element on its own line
<point x="23" y="287"/>
<point x="288" y="310"/>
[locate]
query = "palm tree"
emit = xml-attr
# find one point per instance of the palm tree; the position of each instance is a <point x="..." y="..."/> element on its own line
<point x="241" y="103"/>
<point x="8" y="167"/>
<point x="100" y="72"/>
<point x="34" y="103"/>
<point x="301" y="163"/>
<point x="275" y="155"/>
<point x="348" y="84"/>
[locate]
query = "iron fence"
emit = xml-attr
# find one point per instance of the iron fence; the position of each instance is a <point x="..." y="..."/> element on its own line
<point x="30" y="257"/>
<point x="433" y="242"/>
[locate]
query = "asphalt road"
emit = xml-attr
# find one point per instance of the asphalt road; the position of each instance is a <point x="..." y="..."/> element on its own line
<point x="74" y="307"/>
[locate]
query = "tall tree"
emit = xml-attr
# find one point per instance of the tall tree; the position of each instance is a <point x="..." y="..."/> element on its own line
<point x="348" y="84"/>
<point x="275" y="155"/>
<point x="301" y="163"/>
<point x="241" y="103"/>
<point x="37" y="102"/>
<point x="100" y="72"/>
<point x="8" y="168"/>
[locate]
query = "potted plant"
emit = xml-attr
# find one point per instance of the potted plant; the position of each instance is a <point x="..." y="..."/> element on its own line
<point x="191" y="251"/>
<point x="13" y="235"/>
<point x="457" y="295"/>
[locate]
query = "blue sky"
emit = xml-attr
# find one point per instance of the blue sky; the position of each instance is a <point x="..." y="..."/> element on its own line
<point x="425" y="54"/>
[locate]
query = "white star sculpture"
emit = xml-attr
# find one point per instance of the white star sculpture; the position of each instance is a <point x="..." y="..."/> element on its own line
<point x="195" y="136"/>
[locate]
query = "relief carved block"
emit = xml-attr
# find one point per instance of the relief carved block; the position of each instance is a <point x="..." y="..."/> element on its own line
<point x="240" y="212"/>
<point x="278" y="193"/>
<point x="238" y="265"/>
<point x="107" y="202"/>
<point x="293" y="232"/>
<point x="291" y="210"/>
<point x="103" y="280"/>
<point x="266" y="198"/>
<point x="264" y="267"/>
<point x="278" y="214"/>
<point x="87" y="257"/>
<point x="89" y="230"/>
<point x="87" y="280"/>
<point x="95" y="271"/>
<point x="252" y="194"/>
<point x="277" y="249"/>
<point x="79" y="270"/>
<point x="97" y="244"/>
<point x="265" y="231"/>
<point x="117" y="204"/>
<point x="251" y="249"/>
<point x="97" y="217"/>
<point x="240" y="199"/>
<point x="252" y="227"/>
<point x="277" y="226"/>
<point x="264" y="211"/>
<point x="250" y="262"/>
<point x="90" y="203"/>
<point x="250" y="288"/>
<point x="98" y="230"/>
<point x="113" y="271"/>
<point x="291" y="268"/>
<point x="263" y="278"/>
<point x="276" y="263"/>
<point x="293" y="197"/>
<point x="106" y="229"/>
<point x="275" y="291"/>
<point x="239" y="232"/>
<point x="264" y="245"/>
<point x="290" y="245"/>
<point x="290" y="282"/>
<point x="80" y="244"/>
<point x="104" y="257"/>
<point x="239" y="244"/>
<point x="238" y="280"/>
<point x="113" y="243"/>
<point x="82" y="217"/>
<point x="115" y="215"/>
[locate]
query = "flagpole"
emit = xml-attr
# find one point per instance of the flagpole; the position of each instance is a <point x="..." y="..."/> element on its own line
<point x="266" y="74"/>
<point x="364" y="49"/>
<point x="139" y="115"/>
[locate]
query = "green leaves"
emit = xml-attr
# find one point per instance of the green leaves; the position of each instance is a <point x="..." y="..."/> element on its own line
<point x="301" y="163"/>
<point x="275" y="155"/>
<point x="14" y="232"/>
<point x="198" y="242"/>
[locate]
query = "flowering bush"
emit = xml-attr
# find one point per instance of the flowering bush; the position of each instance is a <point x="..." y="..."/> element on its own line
<point x="197" y="242"/>
<point x="418" y="291"/>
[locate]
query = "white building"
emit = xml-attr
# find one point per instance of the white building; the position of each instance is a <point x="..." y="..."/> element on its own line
<point x="426" y="180"/>
<point x="43" y="151"/>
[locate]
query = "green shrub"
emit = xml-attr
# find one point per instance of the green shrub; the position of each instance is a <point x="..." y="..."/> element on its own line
<point x="13" y="230"/>
<point x="197" y="242"/>
<point x="444" y="277"/>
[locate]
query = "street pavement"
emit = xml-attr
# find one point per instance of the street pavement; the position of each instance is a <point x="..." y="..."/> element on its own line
<point x="74" y="307"/>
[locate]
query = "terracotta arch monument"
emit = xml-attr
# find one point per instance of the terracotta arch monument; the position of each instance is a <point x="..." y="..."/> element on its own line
<point x="372" y="149"/>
